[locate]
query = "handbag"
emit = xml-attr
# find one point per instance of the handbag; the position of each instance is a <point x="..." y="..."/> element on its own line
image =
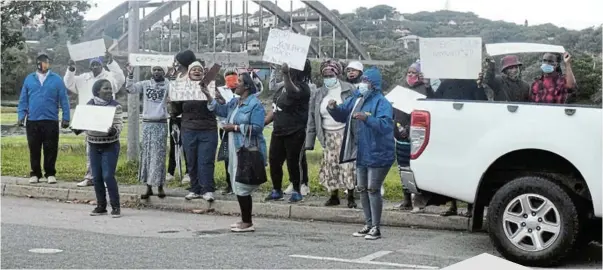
<point x="250" y="164"/>
<point x="223" y="149"/>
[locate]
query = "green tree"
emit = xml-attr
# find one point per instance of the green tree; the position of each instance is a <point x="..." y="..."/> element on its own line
<point x="53" y="14"/>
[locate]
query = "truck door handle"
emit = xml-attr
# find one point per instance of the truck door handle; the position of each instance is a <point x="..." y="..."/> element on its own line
<point x="570" y="112"/>
<point x="457" y="106"/>
<point x="512" y="108"/>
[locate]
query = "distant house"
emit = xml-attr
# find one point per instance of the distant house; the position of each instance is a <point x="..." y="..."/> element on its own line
<point x="451" y="22"/>
<point x="398" y="18"/>
<point x="309" y="25"/>
<point x="403" y="31"/>
<point x="220" y="37"/>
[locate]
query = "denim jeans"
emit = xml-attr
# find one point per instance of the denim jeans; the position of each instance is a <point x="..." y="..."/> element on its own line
<point x="369" y="185"/>
<point x="200" y="147"/>
<point x="103" y="163"/>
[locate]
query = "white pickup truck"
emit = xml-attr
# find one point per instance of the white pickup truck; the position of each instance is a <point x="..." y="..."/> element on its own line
<point x="537" y="169"/>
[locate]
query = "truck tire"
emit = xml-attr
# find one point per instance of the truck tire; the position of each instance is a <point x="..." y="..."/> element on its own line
<point x="541" y="234"/>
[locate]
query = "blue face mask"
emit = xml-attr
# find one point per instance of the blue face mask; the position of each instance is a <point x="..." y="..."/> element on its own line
<point x="330" y="82"/>
<point x="363" y="88"/>
<point x="546" y="68"/>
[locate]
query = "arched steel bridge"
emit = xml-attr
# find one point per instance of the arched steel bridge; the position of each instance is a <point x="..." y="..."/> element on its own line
<point x="163" y="9"/>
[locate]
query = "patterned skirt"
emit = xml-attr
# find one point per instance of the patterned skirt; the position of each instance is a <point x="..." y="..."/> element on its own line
<point x="333" y="175"/>
<point x="152" y="153"/>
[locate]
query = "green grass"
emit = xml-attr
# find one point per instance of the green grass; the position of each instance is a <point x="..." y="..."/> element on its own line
<point x="71" y="163"/>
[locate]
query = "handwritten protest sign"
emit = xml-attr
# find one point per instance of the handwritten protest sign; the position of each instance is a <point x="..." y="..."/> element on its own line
<point x="451" y="58"/>
<point x="183" y="90"/>
<point x="150" y="60"/>
<point x="102" y="118"/>
<point x="404" y="99"/>
<point x="87" y="50"/>
<point x="511" y="48"/>
<point x="286" y="47"/>
<point x="226" y="59"/>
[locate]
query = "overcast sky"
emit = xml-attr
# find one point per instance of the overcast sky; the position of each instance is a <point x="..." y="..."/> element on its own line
<point x="575" y="14"/>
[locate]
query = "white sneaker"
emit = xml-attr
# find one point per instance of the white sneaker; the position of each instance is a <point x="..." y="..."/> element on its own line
<point x="169" y="177"/>
<point x="382" y="190"/>
<point x="192" y="196"/>
<point x="289" y="190"/>
<point x="34" y="180"/>
<point x="305" y="190"/>
<point x="239" y="229"/>
<point x="186" y="179"/>
<point x="208" y="196"/>
<point x="85" y="183"/>
<point x="51" y="180"/>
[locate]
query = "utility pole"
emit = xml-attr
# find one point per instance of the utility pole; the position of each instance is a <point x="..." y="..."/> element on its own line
<point x="133" y="101"/>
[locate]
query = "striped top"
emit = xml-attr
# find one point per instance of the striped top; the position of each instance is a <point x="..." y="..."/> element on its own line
<point x="97" y="137"/>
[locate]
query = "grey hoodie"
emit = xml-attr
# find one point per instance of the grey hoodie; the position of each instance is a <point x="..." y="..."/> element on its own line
<point x="155" y="96"/>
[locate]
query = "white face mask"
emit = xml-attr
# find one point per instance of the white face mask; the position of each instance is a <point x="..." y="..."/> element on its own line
<point x="363" y="88"/>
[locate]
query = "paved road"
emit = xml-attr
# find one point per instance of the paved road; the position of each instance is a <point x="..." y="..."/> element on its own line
<point x="156" y="239"/>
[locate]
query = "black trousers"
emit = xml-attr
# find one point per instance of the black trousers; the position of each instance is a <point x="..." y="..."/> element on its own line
<point x="304" y="168"/>
<point x="222" y="137"/>
<point x="172" y="158"/>
<point x="43" y="135"/>
<point x="289" y="148"/>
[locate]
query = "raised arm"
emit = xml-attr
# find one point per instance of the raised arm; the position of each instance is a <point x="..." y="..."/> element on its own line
<point x="133" y="87"/>
<point x="570" y="80"/>
<point x="70" y="79"/>
<point x="340" y="113"/>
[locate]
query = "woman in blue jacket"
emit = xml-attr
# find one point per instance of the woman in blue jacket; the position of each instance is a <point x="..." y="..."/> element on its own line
<point x="368" y="139"/>
<point x="245" y="125"/>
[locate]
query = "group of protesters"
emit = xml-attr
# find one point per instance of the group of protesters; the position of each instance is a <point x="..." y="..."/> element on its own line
<point x="360" y="132"/>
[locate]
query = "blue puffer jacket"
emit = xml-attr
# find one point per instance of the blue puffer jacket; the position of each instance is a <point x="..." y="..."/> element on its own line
<point x="374" y="144"/>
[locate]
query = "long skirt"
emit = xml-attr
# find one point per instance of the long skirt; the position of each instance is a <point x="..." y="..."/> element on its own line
<point x="152" y="153"/>
<point x="333" y="175"/>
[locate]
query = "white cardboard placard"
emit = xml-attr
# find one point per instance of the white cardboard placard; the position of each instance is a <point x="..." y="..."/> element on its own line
<point x="87" y="50"/>
<point x="287" y="47"/>
<point x="150" y="60"/>
<point x="189" y="90"/>
<point x="403" y="99"/>
<point x="95" y="118"/>
<point x="451" y="58"/>
<point x="511" y="48"/>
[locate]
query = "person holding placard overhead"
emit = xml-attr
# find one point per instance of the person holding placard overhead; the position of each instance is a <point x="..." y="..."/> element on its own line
<point x="414" y="81"/>
<point x="552" y="86"/>
<point x="199" y="138"/>
<point x="333" y="175"/>
<point x="290" y="115"/>
<point x="82" y="86"/>
<point x="151" y="170"/>
<point x="368" y="140"/>
<point x="245" y="125"/>
<point x="104" y="151"/>
<point x="42" y="93"/>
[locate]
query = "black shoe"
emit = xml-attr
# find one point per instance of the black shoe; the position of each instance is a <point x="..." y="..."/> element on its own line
<point x="115" y="213"/>
<point x="148" y="194"/>
<point x="373" y="234"/>
<point x="160" y="192"/>
<point x="352" y="203"/>
<point x="332" y="201"/>
<point x="99" y="211"/>
<point x="365" y="230"/>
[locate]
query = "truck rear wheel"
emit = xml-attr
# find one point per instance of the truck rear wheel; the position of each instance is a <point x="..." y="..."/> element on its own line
<point x="533" y="221"/>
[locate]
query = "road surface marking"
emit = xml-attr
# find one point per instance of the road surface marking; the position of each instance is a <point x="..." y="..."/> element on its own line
<point x="45" y="250"/>
<point x="373" y="256"/>
<point x="404" y="266"/>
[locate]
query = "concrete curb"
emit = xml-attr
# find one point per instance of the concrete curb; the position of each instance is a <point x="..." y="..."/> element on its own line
<point x="227" y="207"/>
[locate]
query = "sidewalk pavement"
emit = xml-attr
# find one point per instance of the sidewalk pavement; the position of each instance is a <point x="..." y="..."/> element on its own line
<point x="310" y="209"/>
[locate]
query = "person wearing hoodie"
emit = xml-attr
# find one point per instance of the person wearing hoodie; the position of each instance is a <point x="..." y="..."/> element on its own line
<point x="178" y="73"/>
<point x="151" y="170"/>
<point x="104" y="151"/>
<point x="82" y="86"/>
<point x="354" y="72"/>
<point x="199" y="137"/>
<point x="414" y="81"/>
<point x="368" y="141"/>
<point x="333" y="175"/>
<point x="508" y="86"/>
<point x="41" y="94"/>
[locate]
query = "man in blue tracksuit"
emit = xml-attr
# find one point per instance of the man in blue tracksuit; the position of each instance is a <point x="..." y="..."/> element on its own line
<point x="42" y="93"/>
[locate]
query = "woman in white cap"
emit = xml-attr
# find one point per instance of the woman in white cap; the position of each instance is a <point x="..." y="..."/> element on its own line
<point x="155" y="116"/>
<point x="353" y="73"/>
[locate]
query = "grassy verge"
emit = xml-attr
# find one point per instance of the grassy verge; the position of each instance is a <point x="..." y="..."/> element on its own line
<point x="71" y="163"/>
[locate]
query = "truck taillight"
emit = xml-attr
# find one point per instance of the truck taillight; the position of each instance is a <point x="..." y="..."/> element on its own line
<point x="419" y="132"/>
